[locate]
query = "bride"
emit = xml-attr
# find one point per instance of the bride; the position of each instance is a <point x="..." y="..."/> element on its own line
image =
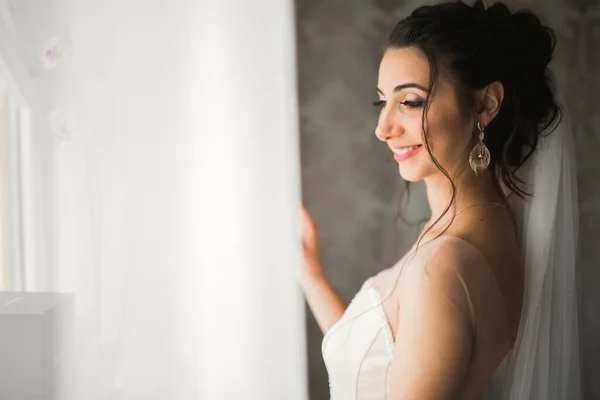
<point x="483" y="304"/>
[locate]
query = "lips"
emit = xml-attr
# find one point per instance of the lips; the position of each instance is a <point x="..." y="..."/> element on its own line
<point x="406" y="149"/>
<point x="404" y="153"/>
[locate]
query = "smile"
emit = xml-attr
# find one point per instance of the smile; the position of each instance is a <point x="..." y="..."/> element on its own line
<point x="405" y="153"/>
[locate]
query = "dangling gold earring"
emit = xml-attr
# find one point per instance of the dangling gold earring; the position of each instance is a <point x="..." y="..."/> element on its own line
<point x="479" y="159"/>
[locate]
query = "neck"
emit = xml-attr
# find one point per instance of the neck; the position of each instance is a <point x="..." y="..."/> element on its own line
<point x="470" y="190"/>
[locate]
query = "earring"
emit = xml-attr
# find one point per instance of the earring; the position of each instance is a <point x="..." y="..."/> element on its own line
<point x="479" y="159"/>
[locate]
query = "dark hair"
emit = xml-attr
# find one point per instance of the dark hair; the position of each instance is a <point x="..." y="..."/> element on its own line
<point x="475" y="46"/>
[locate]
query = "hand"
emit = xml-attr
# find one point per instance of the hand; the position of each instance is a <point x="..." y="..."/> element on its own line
<point x="312" y="266"/>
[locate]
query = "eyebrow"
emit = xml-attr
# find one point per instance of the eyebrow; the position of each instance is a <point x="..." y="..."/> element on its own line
<point x="406" y="86"/>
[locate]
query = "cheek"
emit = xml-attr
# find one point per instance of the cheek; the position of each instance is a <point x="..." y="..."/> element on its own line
<point x="416" y="129"/>
<point x="446" y="139"/>
<point x="450" y="146"/>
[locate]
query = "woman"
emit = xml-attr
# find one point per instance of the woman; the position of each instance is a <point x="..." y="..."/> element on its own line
<point x="487" y="291"/>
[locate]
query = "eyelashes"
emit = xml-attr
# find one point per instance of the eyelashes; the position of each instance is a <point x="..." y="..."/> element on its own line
<point x="379" y="104"/>
<point x="410" y="104"/>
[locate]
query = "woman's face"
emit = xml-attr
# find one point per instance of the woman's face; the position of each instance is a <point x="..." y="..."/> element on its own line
<point x="402" y="88"/>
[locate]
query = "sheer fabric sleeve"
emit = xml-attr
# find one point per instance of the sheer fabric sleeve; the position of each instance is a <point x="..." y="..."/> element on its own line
<point x="443" y="319"/>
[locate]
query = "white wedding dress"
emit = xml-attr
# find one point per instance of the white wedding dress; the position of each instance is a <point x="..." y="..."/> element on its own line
<point x="358" y="349"/>
<point x="543" y="363"/>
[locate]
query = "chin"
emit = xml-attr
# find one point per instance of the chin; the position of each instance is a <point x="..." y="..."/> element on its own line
<point x="410" y="173"/>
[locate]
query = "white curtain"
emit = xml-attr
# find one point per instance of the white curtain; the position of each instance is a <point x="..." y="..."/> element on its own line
<point x="164" y="185"/>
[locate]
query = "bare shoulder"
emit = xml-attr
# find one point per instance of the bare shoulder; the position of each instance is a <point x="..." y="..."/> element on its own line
<point x="492" y="233"/>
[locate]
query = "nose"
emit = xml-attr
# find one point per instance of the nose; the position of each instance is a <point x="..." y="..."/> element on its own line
<point x="387" y="127"/>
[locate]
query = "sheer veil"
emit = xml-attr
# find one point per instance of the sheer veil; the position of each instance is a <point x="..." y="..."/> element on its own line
<point x="544" y="363"/>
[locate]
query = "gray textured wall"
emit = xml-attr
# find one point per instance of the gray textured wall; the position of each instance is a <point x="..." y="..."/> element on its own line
<point x="350" y="182"/>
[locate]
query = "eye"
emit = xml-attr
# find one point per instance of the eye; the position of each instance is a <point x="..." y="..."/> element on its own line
<point x="413" y="104"/>
<point x="379" y="104"/>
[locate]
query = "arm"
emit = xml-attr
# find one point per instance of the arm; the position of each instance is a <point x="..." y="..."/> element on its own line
<point x="324" y="302"/>
<point x="435" y="336"/>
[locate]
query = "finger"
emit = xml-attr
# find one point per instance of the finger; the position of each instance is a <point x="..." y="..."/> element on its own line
<point x="307" y="216"/>
<point x="304" y="211"/>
